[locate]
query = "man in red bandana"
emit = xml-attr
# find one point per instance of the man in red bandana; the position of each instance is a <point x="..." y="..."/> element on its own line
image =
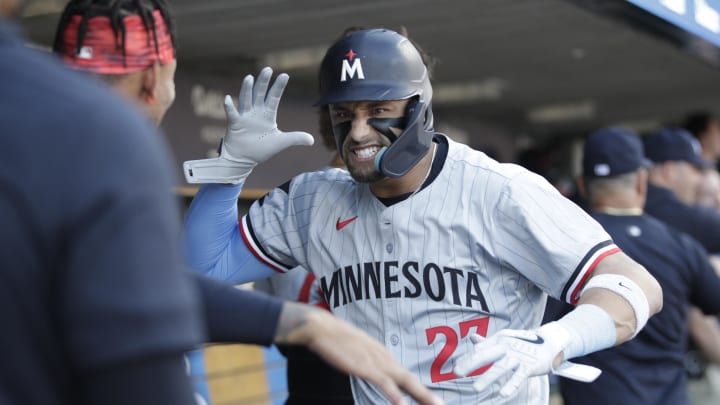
<point x="129" y="44"/>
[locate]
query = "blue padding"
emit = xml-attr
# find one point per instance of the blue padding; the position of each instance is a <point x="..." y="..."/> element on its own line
<point x="198" y="375"/>
<point x="276" y="371"/>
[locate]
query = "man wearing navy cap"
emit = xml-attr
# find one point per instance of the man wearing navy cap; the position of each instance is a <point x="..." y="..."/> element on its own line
<point x="673" y="181"/>
<point x="649" y="368"/>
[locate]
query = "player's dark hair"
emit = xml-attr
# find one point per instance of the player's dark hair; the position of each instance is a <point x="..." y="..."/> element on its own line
<point x="116" y="10"/>
<point x="698" y="122"/>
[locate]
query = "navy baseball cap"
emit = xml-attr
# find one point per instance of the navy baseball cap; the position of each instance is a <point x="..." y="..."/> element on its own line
<point x="674" y="144"/>
<point x="613" y="151"/>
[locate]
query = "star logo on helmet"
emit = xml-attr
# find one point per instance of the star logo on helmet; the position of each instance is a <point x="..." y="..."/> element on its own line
<point x="351" y="71"/>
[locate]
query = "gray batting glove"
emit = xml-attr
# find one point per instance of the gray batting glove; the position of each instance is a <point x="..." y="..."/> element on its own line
<point x="516" y="355"/>
<point x="252" y="135"/>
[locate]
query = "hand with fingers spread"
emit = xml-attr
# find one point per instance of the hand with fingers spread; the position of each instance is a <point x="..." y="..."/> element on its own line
<point x="252" y="135"/>
<point x="515" y="355"/>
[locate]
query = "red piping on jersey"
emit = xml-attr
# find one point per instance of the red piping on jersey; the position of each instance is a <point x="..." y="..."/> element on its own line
<point x="304" y="295"/>
<point x="255" y="253"/>
<point x="323" y="302"/>
<point x="574" y="297"/>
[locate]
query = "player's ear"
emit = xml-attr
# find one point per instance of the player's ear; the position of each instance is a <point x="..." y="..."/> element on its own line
<point x="149" y="83"/>
<point x="641" y="181"/>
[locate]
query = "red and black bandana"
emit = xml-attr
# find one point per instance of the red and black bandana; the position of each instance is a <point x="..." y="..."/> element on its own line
<point x="102" y="53"/>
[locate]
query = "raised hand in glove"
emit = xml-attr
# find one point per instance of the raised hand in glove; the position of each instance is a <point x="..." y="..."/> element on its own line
<point x="519" y="354"/>
<point x="252" y="135"/>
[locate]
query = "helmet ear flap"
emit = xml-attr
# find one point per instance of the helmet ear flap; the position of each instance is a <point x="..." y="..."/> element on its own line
<point x="411" y="146"/>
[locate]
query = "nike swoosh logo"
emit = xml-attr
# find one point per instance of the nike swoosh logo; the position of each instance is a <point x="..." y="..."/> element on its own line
<point x="538" y="340"/>
<point x="623" y="285"/>
<point x="342" y="224"/>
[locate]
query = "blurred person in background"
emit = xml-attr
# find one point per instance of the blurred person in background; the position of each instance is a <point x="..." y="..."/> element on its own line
<point x="648" y="369"/>
<point x="708" y="193"/>
<point x="706" y="128"/>
<point x="674" y="178"/>
<point x="703" y="359"/>
<point x="681" y="169"/>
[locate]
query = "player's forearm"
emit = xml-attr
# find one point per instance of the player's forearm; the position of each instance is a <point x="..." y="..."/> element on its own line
<point x="294" y="326"/>
<point x="210" y="224"/>
<point x="237" y="316"/>
<point x="614" y="306"/>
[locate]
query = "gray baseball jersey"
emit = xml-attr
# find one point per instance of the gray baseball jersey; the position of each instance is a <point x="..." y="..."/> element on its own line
<point x="295" y="285"/>
<point x="477" y="250"/>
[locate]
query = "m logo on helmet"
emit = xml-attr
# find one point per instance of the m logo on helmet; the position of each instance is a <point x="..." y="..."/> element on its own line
<point x="349" y="70"/>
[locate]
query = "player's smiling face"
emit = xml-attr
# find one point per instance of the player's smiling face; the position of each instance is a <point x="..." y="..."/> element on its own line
<point x="362" y="142"/>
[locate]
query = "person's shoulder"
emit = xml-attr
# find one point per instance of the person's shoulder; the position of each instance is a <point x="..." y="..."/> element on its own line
<point x="674" y="238"/>
<point x="665" y="203"/>
<point x="656" y="224"/>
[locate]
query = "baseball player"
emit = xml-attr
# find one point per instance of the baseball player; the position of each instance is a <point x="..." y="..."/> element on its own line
<point x="310" y="380"/>
<point x="433" y="248"/>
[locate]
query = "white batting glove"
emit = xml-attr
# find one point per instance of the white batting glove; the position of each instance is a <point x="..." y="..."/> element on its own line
<point x="252" y="135"/>
<point x="517" y="354"/>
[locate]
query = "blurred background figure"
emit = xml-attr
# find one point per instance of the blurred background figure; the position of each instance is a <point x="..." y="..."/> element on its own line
<point x="674" y="178"/>
<point x="708" y="193"/>
<point x="706" y="128"/>
<point x="703" y="360"/>
<point x="648" y="369"/>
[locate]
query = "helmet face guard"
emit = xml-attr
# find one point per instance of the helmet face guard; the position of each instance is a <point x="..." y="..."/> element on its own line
<point x="382" y="65"/>
<point x="407" y="149"/>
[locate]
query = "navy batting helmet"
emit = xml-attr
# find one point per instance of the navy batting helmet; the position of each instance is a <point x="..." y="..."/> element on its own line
<point x="382" y="65"/>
